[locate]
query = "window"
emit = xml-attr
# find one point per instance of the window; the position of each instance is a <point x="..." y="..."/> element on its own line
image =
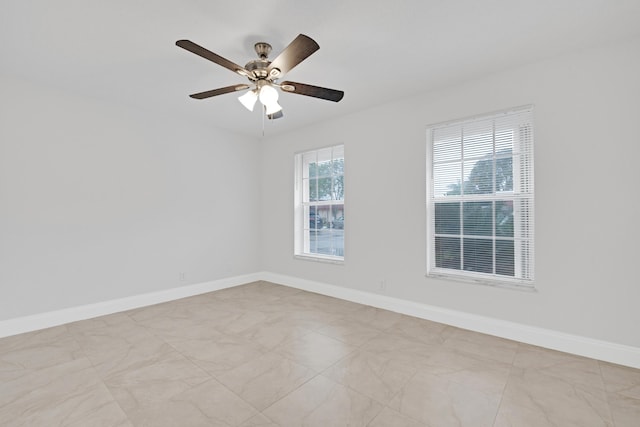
<point x="319" y="204"/>
<point x="480" y="199"/>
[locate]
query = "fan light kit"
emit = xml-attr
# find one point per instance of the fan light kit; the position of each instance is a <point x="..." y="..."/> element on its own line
<point x="263" y="75"/>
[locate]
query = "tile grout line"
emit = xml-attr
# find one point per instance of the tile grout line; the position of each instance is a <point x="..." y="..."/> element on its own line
<point x="97" y="374"/>
<point x="606" y="392"/>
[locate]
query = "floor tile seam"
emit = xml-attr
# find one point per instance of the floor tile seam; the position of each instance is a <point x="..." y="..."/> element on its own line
<point x="412" y="366"/>
<point x="536" y="404"/>
<point x="487" y="364"/>
<point x="304" y="332"/>
<point x="573" y="384"/>
<point x="113" y="398"/>
<point x="371" y="339"/>
<point x="333" y="382"/>
<point x="384" y="404"/>
<point x="634" y="401"/>
<point x="102" y="377"/>
<point x="411" y="337"/>
<point x="450" y="342"/>
<point x="377" y="415"/>
<point x="324" y="324"/>
<point x="160" y="402"/>
<point x="149" y="359"/>
<point x="394" y="323"/>
<point x="97" y="376"/>
<point x="161" y="338"/>
<point x="86" y="356"/>
<point x="42" y="368"/>
<point x="315" y="374"/>
<point x="213" y="378"/>
<point x="504" y="388"/>
<point x="319" y="331"/>
<point x="263" y="352"/>
<point x="419" y="422"/>
<point x="132" y="369"/>
<point x="341" y="359"/>
<point x="130" y="346"/>
<point x="494" y="364"/>
<point x="347" y="317"/>
<point x="480" y="390"/>
<point x="268" y="419"/>
<point x="397" y="393"/>
<point x="619" y="389"/>
<point x="198" y="363"/>
<point x="606" y="393"/>
<point x="28" y="412"/>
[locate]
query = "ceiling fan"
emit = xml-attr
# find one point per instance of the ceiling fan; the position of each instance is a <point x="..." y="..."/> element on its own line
<point x="263" y="75"/>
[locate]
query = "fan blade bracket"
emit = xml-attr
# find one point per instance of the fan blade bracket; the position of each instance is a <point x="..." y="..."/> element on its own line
<point x="274" y="73"/>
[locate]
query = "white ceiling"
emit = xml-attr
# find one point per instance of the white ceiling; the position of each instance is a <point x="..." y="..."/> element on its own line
<point x="123" y="51"/>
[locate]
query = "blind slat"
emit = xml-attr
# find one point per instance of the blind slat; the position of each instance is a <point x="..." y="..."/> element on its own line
<point x="482" y="170"/>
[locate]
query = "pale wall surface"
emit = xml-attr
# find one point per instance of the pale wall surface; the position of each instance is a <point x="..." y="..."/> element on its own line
<point x="101" y="201"/>
<point x="587" y="205"/>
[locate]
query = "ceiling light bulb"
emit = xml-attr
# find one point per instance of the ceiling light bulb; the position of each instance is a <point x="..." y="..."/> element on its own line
<point x="272" y="108"/>
<point x="249" y="99"/>
<point x="268" y="95"/>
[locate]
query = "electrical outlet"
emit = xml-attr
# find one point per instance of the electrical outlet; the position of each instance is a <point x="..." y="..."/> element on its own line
<point x="183" y="276"/>
<point x="383" y="284"/>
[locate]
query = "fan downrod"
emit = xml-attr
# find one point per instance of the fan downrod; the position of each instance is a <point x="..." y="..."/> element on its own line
<point x="262" y="49"/>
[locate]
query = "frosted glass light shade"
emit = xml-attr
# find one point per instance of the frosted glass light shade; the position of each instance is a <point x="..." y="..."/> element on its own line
<point x="249" y="100"/>
<point x="268" y="95"/>
<point x="273" y="108"/>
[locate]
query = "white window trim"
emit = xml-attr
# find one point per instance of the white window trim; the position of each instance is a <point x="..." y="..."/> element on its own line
<point x="301" y="250"/>
<point x="526" y="284"/>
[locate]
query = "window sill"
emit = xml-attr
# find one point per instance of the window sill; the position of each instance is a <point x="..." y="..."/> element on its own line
<point x="320" y="258"/>
<point x="485" y="281"/>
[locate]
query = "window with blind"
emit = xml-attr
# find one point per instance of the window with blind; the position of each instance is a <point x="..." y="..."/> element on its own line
<point x="480" y="199"/>
<point x="319" y="204"/>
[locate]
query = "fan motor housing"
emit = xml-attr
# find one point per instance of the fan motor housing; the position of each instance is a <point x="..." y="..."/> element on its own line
<point x="258" y="67"/>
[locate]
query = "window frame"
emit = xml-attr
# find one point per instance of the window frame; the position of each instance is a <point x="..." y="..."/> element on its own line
<point x="302" y="235"/>
<point x="523" y="218"/>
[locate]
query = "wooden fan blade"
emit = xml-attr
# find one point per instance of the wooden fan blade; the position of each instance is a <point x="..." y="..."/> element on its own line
<point x="298" y="50"/>
<point x="221" y="91"/>
<point x="315" y="91"/>
<point x="207" y="54"/>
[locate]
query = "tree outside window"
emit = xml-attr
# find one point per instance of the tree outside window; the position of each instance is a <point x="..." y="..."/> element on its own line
<point x="480" y="198"/>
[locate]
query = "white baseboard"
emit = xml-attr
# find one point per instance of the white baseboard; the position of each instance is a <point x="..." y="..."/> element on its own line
<point x="59" y="317"/>
<point x="568" y="343"/>
<point x="583" y="346"/>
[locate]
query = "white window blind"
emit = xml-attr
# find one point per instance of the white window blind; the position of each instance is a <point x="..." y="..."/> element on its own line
<point x="480" y="198"/>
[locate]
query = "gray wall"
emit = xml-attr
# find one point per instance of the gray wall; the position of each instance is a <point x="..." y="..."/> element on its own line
<point x="587" y="205"/>
<point x="99" y="201"/>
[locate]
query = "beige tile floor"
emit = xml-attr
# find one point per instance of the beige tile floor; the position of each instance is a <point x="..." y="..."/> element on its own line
<point x="268" y="355"/>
